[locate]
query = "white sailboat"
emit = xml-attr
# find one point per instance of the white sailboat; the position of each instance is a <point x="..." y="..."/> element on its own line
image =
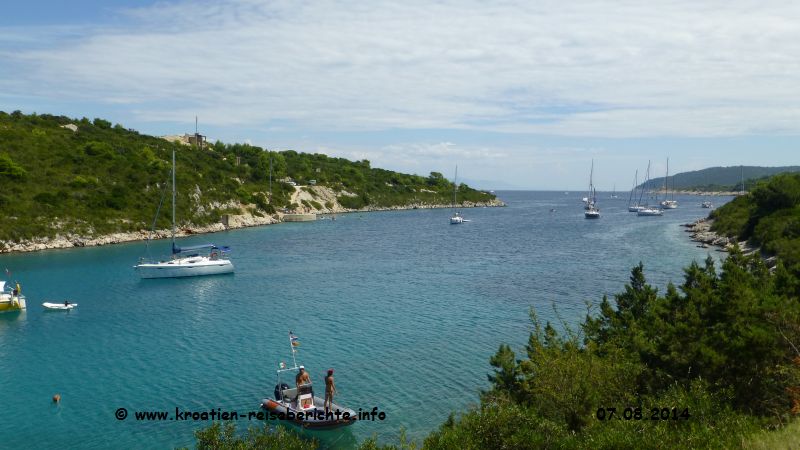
<point x="456" y="219"/>
<point x="647" y="210"/>
<point x="631" y="206"/>
<point x="592" y="212"/>
<point x="672" y="203"/>
<point x="197" y="260"/>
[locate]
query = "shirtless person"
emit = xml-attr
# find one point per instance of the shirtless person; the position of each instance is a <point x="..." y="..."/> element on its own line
<point x="302" y="377"/>
<point x="330" y="389"/>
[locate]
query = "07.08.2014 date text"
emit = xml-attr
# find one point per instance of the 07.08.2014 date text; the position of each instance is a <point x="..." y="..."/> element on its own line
<point x="639" y="413"/>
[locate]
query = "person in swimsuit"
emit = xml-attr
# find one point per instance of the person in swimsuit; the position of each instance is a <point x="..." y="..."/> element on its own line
<point x="330" y="389"/>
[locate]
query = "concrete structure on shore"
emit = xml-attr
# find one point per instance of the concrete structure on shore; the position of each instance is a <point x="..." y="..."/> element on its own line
<point x="306" y="217"/>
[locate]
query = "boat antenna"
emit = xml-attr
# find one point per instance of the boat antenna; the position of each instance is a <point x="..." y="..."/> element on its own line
<point x="292" y="340"/>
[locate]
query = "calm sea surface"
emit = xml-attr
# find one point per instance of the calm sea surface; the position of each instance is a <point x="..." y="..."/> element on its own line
<point x="405" y="307"/>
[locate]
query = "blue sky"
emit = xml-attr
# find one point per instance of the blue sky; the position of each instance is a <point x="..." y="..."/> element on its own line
<point x="517" y="93"/>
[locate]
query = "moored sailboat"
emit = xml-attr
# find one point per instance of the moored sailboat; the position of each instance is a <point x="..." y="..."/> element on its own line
<point x="671" y="203"/>
<point x="647" y="210"/>
<point x="456" y="218"/>
<point x="634" y="207"/>
<point x="196" y="260"/>
<point x="592" y="211"/>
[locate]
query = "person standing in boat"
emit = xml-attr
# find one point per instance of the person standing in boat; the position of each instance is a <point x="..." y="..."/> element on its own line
<point x="303" y="382"/>
<point x="330" y="389"/>
<point x="302" y="377"/>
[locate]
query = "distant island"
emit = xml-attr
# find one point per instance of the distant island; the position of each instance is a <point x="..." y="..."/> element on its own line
<point x="78" y="182"/>
<point x="719" y="179"/>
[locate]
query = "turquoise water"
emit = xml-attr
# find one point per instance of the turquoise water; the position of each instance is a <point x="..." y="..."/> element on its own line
<point x="407" y="309"/>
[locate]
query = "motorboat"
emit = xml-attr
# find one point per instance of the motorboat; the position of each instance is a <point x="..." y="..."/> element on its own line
<point x="11" y="299"/>
<point x="669" y="204"/>
<point x="299" y="406"/>
<point x="192" y="261"/>
<point x="707" y="204"/>
<point x="650" y="212"/>
<point x="456" y="218"/>
<point x="66" y="306"/>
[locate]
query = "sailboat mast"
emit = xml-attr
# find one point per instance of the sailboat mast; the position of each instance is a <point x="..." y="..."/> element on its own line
<point x="173" y="200"/>
<point x="635" y="182"/>
<point x="455" y="187"/>
<point x="666" y="181"/>
<point x="646" y="179"/>
<point x="672" y="193"/>
<point x="742" y="191"/>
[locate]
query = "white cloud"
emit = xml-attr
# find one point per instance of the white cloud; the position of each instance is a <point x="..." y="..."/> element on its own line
<point x="580" y="68"/>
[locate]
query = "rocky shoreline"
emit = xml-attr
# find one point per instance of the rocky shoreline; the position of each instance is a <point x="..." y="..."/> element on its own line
<point x="706" y="238"/>
<point x="69" y="240"/>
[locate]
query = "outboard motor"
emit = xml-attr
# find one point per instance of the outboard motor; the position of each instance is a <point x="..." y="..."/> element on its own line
<point x="279" y="390"/>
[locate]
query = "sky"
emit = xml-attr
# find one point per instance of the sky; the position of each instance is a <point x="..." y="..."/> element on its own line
<point x="519" y="94"/>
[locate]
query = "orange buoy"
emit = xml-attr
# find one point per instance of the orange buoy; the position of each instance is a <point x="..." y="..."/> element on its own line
<point x="56" y="398"/>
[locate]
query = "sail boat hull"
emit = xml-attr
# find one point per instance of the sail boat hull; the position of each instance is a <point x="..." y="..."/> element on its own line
<point x="185" y="267"/>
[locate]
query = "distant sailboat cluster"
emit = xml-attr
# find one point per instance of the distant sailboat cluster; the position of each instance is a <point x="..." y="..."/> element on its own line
<point x="639" y="197"/>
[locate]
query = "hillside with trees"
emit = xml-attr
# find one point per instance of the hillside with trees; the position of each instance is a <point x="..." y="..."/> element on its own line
<point x="720" y="179"/>
<point x="89" y="177"/>
<point x="769" y="216"/>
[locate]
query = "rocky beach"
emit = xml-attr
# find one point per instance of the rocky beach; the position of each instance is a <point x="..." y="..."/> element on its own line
<point x="702" y="234"/>
<point x="247" y="218"/>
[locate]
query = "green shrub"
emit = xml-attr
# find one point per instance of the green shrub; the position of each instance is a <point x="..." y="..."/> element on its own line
<point x="9" y="169"/>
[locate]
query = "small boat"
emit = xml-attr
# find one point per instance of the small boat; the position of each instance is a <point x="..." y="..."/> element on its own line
<point x="299" y="406"/>
<point x="650" y="212"/>
<point x="707" y="204"/>
<point x="456" y="219"/>
<point x="66" y="306"/>
<point x="11" y="300"/>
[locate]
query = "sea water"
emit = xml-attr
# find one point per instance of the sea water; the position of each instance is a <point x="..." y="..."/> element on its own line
<point x="406" y="308"/>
